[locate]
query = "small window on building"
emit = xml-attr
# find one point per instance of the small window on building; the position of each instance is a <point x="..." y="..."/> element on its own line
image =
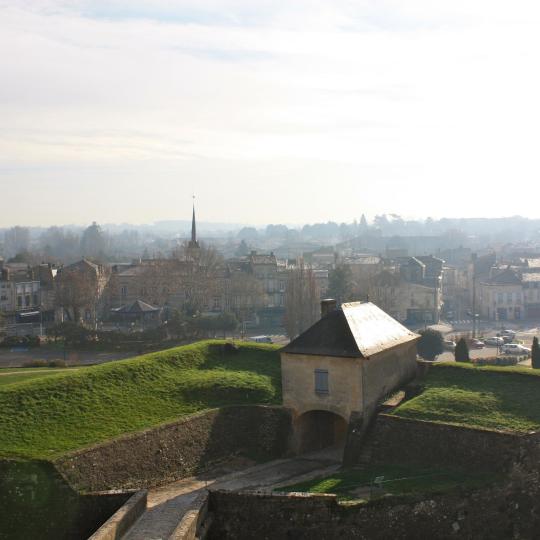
<point x="321" y="381"/>
<point x="123" y="291"/>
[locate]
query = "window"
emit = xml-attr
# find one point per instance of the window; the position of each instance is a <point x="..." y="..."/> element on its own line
<point x="216" y="304"/>
<point x="321" y="381"/>
<point x="123" y="291"/>
<point x="19" y="301"/>
<point x="509" y="298"/>
<point x="27" y="300"/>
<point x="499" y="298"/>
<point x="35" y="299"/>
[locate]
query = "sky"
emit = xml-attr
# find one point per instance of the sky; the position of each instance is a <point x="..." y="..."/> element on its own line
<point x="275" y="111"/>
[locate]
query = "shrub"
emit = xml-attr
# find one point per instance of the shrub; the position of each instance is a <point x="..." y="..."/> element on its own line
<point x="430" y="344"/>
<point x="36" y="363"/>
<point x="535" y="354"/>
<point x="461" y="354"/>
<point x="57" y="363"/>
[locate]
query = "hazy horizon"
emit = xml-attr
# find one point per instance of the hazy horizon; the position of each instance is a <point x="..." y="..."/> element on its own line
<point x="274" y="112"/>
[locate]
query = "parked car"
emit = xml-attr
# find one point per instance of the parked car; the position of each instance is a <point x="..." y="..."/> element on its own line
<point x="508" y="333"/>
<point x="495" y="341"/>
<point x="515" y="348"/>
<point x="476" y="344"/>
<point x="449" y="345"/>
<point x="261" y="339"/>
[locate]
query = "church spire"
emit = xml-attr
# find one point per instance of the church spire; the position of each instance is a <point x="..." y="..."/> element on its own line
<point x="193" y="242"/>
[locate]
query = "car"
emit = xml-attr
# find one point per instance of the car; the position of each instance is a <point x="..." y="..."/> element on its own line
<point x="508" y="333"/>
<point x="476" y="344"/>
<point x="261" y="339"/>
<point x="495" y="341"/>
<point x="515" y="348"/>
<point x="449" y="345"/>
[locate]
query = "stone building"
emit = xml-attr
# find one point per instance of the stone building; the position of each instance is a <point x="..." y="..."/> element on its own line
<point x="336" y="372"/>
<point x="500" y="296"/>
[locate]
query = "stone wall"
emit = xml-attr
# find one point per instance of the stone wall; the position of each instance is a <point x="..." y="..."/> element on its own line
<point x="36" y="502"/>
<point x="178" y="449"/>
<point x="490" y="514"/>
<point x="417" y="442"/>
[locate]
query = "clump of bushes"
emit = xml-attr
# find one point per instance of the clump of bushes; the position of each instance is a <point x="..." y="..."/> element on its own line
<point x="496" y="361"/>
<point x="44" y="363"/>
<point x="20" y="341"/>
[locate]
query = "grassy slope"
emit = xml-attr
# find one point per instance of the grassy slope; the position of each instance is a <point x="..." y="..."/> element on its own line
<point x="397" y="480"/>
<point x="43" y="418"/>
<point x="12" y="375"/>
<point x="488" y="397"/>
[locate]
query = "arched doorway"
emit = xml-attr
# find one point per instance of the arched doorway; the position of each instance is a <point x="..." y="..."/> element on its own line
<point x="320" y="429"/>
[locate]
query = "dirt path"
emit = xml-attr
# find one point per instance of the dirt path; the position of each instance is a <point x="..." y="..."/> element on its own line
<point x="47" y="370"/>
<point x="167" y="504"/>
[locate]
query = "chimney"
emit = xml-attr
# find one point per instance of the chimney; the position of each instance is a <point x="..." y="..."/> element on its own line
<point x="327" y="305"/>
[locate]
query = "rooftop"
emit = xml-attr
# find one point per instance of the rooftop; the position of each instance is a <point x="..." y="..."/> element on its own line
<point x="357" y="330"/>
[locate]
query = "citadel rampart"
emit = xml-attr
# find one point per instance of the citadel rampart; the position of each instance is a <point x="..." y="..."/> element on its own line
<point x="488" y="514"/>
<point x="178" y="449"/>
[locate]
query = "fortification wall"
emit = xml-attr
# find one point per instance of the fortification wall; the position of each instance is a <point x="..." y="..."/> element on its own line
<point x="178" y="449"/>
<point x="490" y="514"/>
<point x="400" y="440"/>
<point x="36" y="502"/>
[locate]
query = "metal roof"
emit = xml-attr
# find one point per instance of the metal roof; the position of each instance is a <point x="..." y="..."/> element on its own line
<point x="358" y="329"/>
<point x="373" y="329"/>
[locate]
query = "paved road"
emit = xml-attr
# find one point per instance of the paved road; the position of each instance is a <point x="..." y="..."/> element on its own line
<point x="167" y="504"/>
<point x="524" y="334"/>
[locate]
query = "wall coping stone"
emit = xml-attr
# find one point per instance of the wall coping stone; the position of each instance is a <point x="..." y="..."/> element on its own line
<point x="118" y="524"/>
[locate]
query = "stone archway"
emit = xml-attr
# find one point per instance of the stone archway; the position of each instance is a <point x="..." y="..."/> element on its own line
<point x="318" y="429"/>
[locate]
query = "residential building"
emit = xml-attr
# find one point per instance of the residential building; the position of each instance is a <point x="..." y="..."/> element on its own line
<point x="500" y="297"/>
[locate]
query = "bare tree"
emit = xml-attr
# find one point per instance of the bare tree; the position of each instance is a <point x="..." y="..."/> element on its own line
<point x="301" y="300"/>
<point x="244" y="294"/>
<point x="76" y="291"/>
<point x="202" y="276"/>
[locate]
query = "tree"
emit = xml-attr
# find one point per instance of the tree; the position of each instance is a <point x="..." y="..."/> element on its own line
<point x="93" y="241"/>
<point x="461" y="354"/>
<point x="244" y="294"/>
<point x="16" y="240"/>
<point x="340" y="284"/>
<point x="430" y="344"/>
<point x="535" y="354"/>
<point x="301" y="300"/>
<point x="75" y="290"/>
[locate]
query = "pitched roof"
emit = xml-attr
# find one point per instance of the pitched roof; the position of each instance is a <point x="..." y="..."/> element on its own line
<point x="357" y="330"/>
<point x="531" y="276"/>
<point x="137" y="307"/>
<point x="506" y="277"/>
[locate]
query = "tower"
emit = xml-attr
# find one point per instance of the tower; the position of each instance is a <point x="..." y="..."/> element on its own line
<point x="193" y="243"/>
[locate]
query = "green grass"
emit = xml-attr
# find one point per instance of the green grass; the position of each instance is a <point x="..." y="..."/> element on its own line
<point x="9" y="376"/>
<point x="398" y="480"/>
<point x="501" y="398"/>
<point x="48" y="416"/>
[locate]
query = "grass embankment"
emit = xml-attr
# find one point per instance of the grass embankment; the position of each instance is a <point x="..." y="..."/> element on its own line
<point x="13" y="375"/>
<point x="46" y="417"/>
<point x="486" y="397"/>
<point x="350" y="484"/>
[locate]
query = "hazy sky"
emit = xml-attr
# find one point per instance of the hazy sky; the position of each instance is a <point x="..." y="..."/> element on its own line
<point x="270" y="111"/>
